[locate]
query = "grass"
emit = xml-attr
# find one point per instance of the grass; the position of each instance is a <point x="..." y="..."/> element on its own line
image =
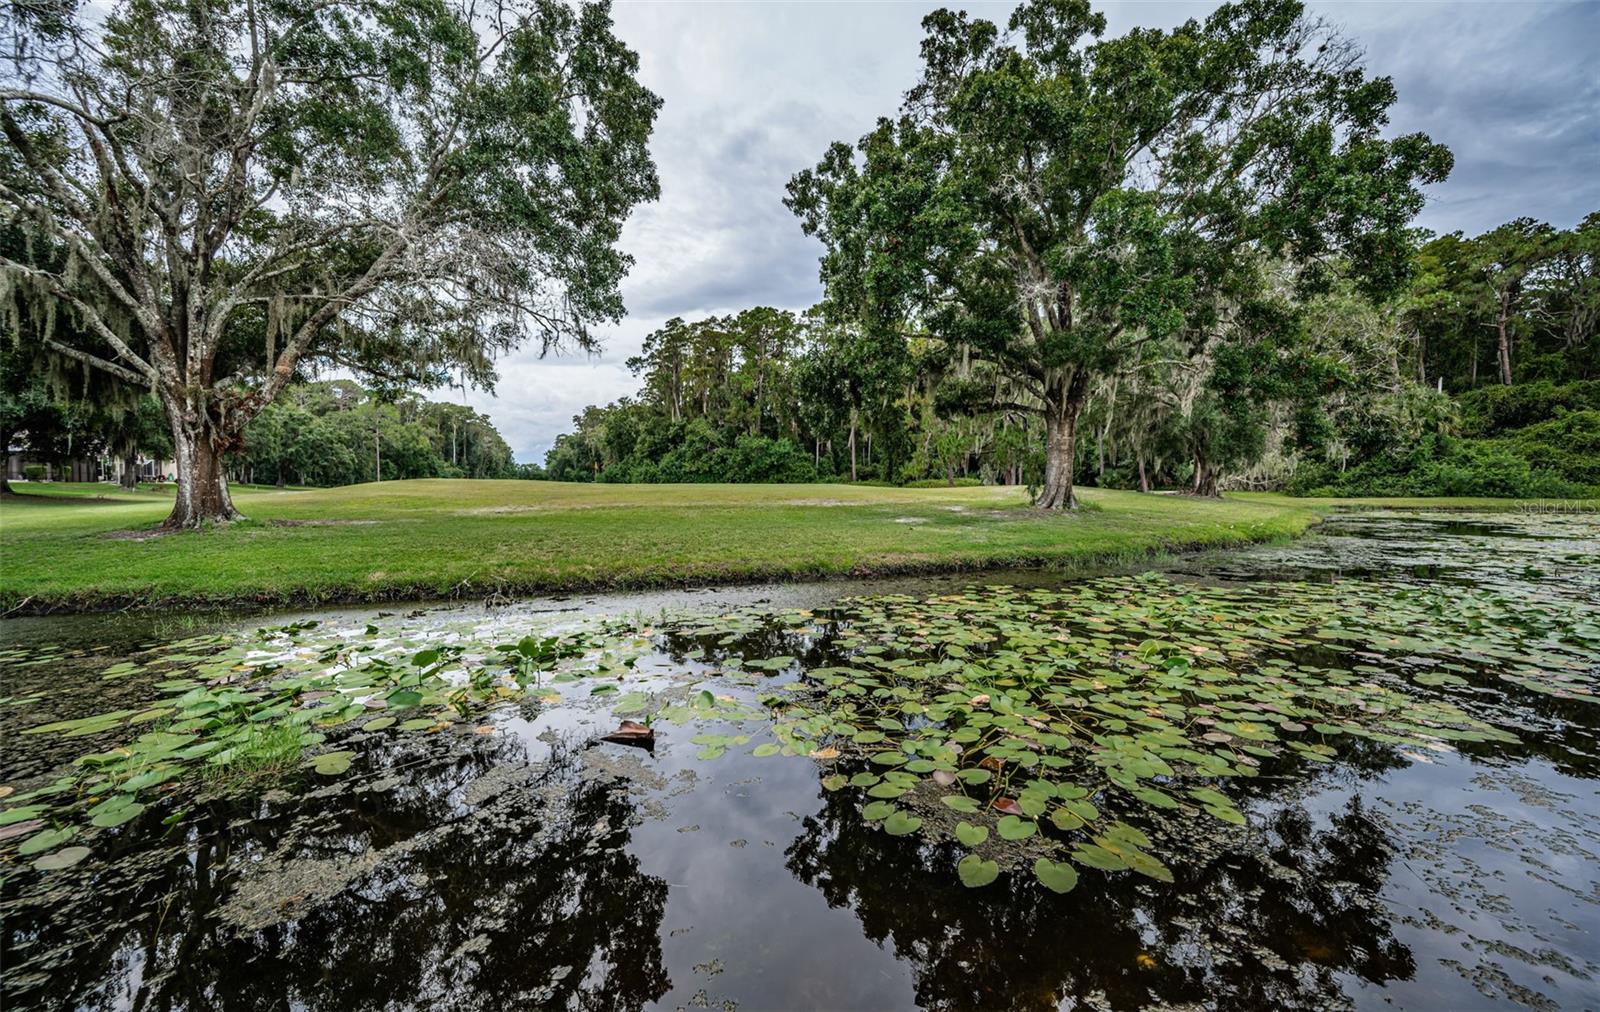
<point x="69" y="549"/>
<point x="268" y="753"/>
<point x="1473" y="503"/>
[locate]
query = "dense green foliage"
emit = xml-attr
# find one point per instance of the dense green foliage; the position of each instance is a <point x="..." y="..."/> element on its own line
<point x="765" y="396"/>
<point x="1506" y="323"/>
<point x="1330" y="393"/>
<point x="339" y="434"/>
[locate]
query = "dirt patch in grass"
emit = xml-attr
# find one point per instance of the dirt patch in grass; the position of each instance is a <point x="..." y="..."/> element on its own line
<point x="144" y="534"/>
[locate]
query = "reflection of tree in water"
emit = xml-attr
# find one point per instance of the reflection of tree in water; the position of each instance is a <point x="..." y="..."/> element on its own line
<point x="467" y="908"/>
<point x="1212" y="938"/>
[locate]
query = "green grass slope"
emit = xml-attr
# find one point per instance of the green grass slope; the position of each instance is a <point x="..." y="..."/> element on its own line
<point x="84" y="547"/>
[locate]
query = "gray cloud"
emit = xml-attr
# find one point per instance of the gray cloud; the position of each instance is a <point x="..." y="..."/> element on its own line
<point x="754" y="93"/>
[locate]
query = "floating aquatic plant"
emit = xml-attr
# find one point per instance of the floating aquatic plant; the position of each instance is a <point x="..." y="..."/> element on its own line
<point x="1033" y="712"/>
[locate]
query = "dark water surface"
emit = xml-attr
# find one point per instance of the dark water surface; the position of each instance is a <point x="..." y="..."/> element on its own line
<point x="513" y="861"/>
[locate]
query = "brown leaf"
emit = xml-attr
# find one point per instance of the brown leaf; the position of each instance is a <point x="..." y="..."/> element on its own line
<point x="981" y="699"/>
<point x="20" y="828"/>
<point x="1006" y="805"/>
<point x="824" y="753"/>
<point x="989" y="762"/>
<point x="631" y="732"/>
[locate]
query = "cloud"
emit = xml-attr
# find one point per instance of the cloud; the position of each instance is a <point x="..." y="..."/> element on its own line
<point x="755" y="92"/>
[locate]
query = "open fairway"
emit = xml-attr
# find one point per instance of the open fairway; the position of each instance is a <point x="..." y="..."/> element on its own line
<point x="85" y="547"/>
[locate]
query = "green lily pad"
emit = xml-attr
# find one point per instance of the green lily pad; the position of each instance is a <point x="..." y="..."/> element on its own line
<point x="976" y="872"/>
<point x="66" y="857"/>
<point x="970" y="835"/>
<point x="1057" y="876"/>
<point x="901" y="824"/>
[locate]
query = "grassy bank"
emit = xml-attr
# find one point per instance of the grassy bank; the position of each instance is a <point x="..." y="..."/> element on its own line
<point x="1460" y="503"/>
<point x="85" y="547"/>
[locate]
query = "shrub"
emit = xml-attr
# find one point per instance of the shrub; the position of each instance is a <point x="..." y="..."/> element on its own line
<point x="965" y="482"/>
<point x="1492" y="410"/>
<point x="1442" y="466"/>
<point x="34" y="472"/>
<point x="1568" y="445"/>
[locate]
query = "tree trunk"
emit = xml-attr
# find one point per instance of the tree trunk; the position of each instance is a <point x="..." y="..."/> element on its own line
<point x="1144" y="479"/>
<point x="5" y="463"/>
<point x="130" y="471"/>
<point x="1205" y="479"/>
<point x="1503" y="328"/>
<point x="1060" y="434"/>
<point x="852" y="446"/>
<point x="202" y="486"/>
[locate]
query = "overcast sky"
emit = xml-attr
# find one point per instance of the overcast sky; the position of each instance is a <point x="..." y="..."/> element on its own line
<point x="754" y="92"/>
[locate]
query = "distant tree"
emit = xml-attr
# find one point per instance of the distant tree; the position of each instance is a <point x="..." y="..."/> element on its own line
<point x="1057" y="201"/>
<point x="133" y="429"/>
<point x="230" y="194"/>
<point x="1506" y="256"/>
<point x="1574" y="271"/>
<point x="25" y="404"/>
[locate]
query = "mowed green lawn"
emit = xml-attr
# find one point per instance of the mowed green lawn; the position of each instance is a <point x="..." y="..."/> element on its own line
<point x="88" y="546"/>
<point x="68" y="546"/>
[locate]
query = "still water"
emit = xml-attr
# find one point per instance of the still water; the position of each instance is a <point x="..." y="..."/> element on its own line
<point x="512" y="859"/>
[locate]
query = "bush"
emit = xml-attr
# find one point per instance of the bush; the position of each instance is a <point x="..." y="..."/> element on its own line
<point x="35" y="472"/>
<point x="759" y="459"/>
<point x="943" y="483"/>
<point x="1492" y="410"/>
<point x="1442" y="466"/>
<point x="1568" y="445"/>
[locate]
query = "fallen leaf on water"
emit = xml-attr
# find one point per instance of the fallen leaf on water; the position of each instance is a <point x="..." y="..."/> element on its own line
<point x="630" y="732"/>
<point x="944" y="778"/>
<point x="20" y="828"/>
<point x="824" y="753"/>
<point x="1006" y="805"/>
<point x="982" y="699"/>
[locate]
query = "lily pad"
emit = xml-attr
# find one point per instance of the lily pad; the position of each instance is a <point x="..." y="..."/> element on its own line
<point x="976" y="872"/>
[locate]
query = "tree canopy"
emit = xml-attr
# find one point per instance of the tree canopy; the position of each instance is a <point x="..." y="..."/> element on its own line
<point x="224" y="197"/>
<point x="1057" y="201"/>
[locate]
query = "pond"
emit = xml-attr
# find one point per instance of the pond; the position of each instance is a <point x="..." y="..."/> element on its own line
<point x="1358" y="770"/>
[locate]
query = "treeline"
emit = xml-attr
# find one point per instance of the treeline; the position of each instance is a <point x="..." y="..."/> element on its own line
<point x="1491" y="380"/>
<point x="338" y="433"/>
<point x="1336" y="393"/>
<point x="770" y="396"/>
<point x="316" y="433"/>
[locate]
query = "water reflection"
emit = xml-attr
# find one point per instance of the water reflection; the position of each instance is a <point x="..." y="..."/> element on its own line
<point x="471" y="880"/>
<point x="1269" y="929"/>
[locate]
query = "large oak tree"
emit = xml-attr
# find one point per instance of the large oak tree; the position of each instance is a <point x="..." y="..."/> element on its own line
<point x="222" y="195"/>
<point x="1056" y="201"/>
